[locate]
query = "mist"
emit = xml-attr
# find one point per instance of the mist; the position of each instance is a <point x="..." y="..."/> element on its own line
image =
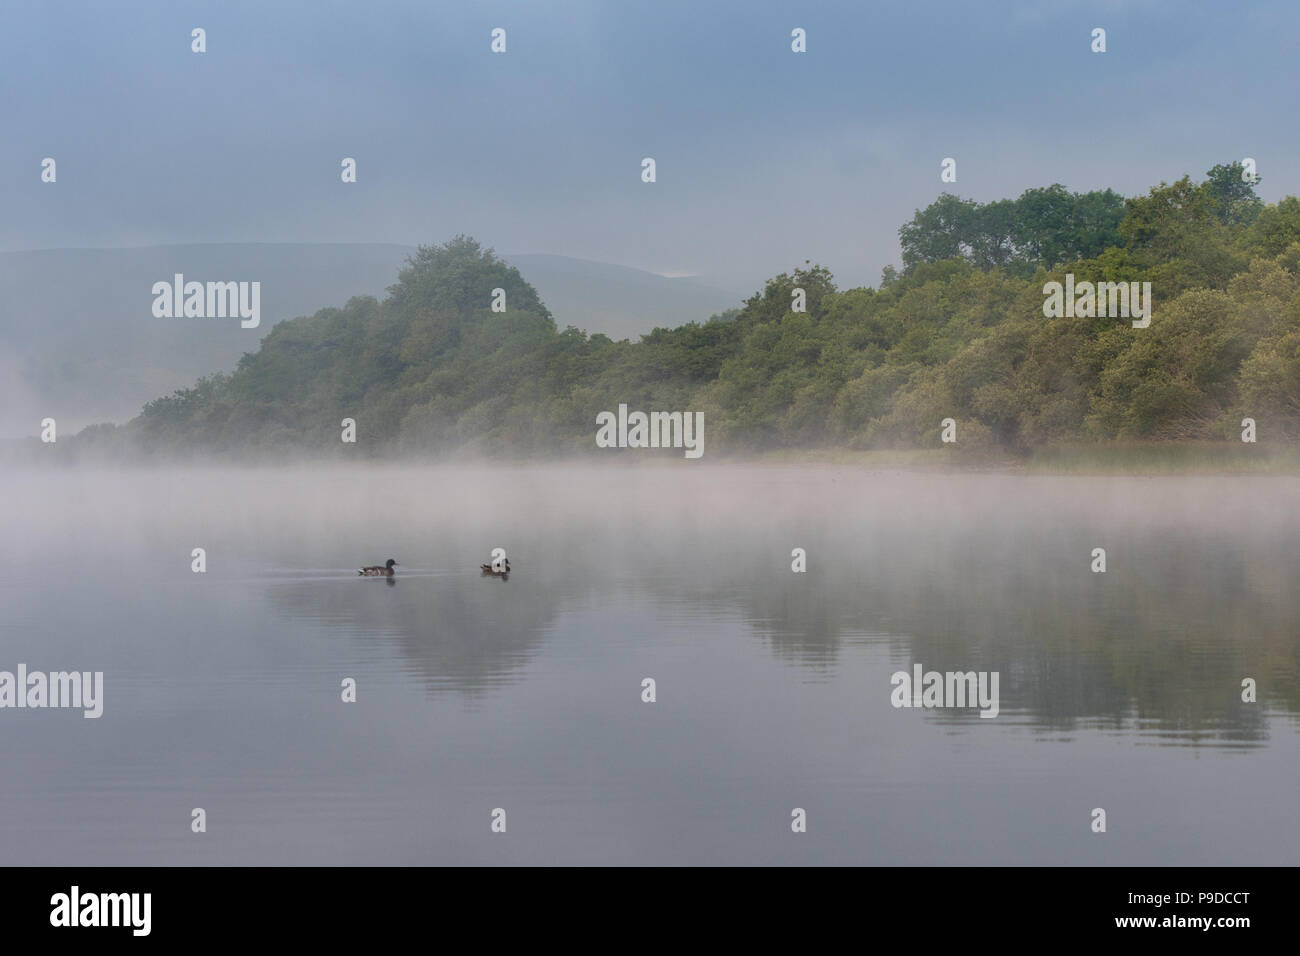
<point x="222" y="687"/>
<point x="672" y="435"/>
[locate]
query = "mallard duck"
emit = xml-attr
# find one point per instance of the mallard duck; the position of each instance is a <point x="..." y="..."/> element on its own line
<point x="488" y="569"/>
<point x="375" y="571"/>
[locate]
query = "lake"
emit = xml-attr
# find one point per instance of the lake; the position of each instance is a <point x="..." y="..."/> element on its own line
<point x="1120" y="690"/>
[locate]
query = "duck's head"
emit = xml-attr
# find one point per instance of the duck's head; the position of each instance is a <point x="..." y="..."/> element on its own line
<point x="391" y="564"/>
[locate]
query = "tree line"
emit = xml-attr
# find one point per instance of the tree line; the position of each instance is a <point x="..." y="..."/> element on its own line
<point x="958" y="333"/>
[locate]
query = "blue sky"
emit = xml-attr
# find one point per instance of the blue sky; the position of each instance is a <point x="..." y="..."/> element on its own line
<point x="765" y="157"/>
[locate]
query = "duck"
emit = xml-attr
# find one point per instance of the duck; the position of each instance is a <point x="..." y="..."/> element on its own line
<point x="377" y="571"/>
<point x="488" y="569"/>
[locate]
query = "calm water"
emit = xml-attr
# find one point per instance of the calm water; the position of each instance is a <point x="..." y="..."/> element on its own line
<point x="222" y="690"/>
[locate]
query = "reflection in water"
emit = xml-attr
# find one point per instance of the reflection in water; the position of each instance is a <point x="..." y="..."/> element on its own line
<point x="1193" y="601"/>
<point x="457" y="632"/>
<point x="1159" y="644"/>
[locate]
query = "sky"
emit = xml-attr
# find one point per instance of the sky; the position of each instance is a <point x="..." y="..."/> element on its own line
<point x="764" y="157"/>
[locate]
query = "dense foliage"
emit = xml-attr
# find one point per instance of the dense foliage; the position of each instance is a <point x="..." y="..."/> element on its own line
<point x="959" y="334"/>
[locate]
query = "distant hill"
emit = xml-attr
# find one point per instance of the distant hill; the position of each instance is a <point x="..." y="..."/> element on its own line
<point x="621" y="302"/>
<point x="79" y="342"/>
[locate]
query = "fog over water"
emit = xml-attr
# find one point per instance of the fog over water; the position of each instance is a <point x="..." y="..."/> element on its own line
<point x="1119" y="690"/>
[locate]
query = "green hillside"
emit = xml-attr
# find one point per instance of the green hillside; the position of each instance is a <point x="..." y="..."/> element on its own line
<point x="959" y="333"/>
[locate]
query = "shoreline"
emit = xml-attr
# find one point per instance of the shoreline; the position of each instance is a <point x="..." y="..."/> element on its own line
<point x="1152" y="459"/>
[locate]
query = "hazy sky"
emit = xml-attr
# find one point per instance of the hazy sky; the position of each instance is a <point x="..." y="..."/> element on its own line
<point x="765" y="157"/>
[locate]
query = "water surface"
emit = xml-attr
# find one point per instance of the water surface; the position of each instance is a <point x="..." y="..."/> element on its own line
<point x="1119" y="690"/>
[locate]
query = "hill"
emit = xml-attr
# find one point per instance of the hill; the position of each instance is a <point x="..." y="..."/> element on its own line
<point x="79" y="341"/>
<point x="618" y="301"/>
<point x="960" y="334"/>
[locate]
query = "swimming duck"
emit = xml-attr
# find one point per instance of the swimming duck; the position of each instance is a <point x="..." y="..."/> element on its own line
<point x="488" y="569"/>
<point x="374" y="570"/>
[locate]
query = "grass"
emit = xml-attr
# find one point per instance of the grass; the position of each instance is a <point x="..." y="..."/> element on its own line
<point x="1165" y="458"/>
<point x="1100" y="458"/>
<point x="938" y="458"/>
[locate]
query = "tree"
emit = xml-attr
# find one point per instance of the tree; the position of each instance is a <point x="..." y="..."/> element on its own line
<point x="1234" y="197"/>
